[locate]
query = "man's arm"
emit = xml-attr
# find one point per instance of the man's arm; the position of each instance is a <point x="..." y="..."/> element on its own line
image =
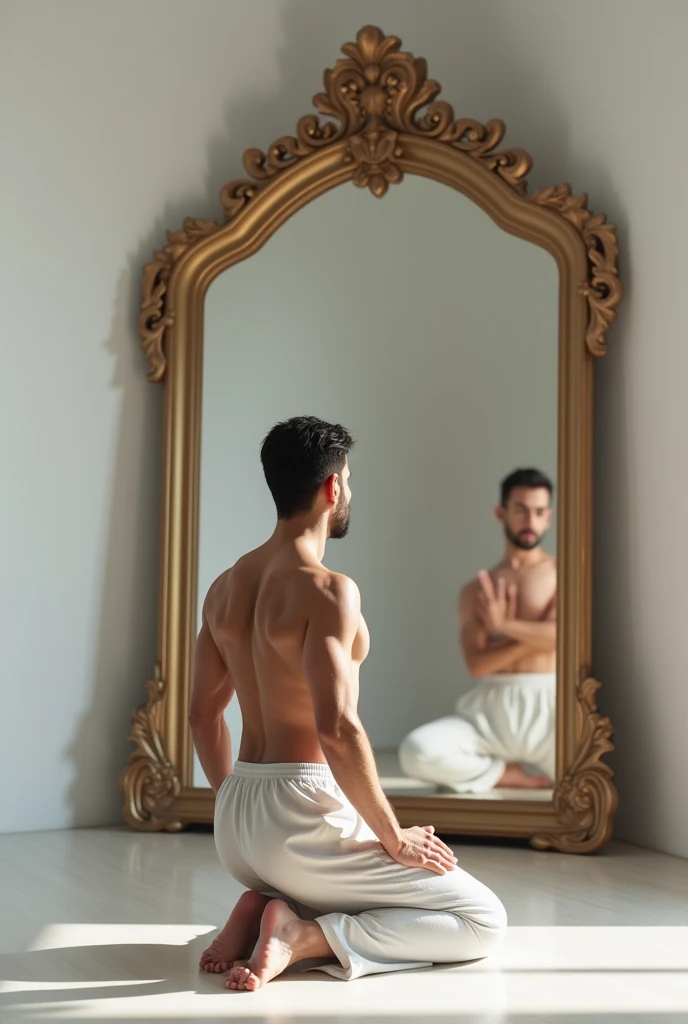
<point x="211" y="693"/>
<point x="483" y="657"/>
<point x="334" y="620"/>
<point x="541" y="634"/>
<point x="328" y="667"/>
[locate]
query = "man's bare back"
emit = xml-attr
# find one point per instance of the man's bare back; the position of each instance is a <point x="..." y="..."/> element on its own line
<point x="258" y="614"/>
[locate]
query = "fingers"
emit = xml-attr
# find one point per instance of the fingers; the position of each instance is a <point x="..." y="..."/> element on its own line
<point x="427" y="851"/>
<point x="446" y="855"/>
<point x="440" y="853"/>
<point x="486" y="587"/>
<point x="436" y="866"/>
<point x="440" y="865"/>
<point x="446" y="849"/>
<point x="501" y="589"/>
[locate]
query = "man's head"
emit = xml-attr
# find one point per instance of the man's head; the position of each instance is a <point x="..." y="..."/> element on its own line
<point x="525" y="511"/>
<point x="306" y="468"/>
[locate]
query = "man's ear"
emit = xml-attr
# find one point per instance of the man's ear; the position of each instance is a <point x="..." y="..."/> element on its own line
<point x="500" y="514"/>
<point x="332" y="487"/>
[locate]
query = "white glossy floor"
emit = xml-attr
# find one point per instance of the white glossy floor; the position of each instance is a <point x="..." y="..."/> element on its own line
<point x="108" y="925"/>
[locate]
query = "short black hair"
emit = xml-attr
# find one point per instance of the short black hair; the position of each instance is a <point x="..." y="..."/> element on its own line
<point x="524" y="478"/>
<point x="298" y="456"/>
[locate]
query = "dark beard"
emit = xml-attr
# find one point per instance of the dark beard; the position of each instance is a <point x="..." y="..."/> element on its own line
<point x="518" y="541"/>
<point x="339" y="520"/>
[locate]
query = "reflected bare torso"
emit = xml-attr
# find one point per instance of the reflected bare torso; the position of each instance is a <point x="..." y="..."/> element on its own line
<point x="537" y="590"/>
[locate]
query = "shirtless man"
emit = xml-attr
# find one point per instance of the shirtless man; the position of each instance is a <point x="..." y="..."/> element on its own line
<point x="508" y="638"/>
<point x="300" y="818"/>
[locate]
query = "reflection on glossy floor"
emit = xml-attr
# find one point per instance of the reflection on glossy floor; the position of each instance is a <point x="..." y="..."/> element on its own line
<point x="108" y="925"/>
<point x="396" y="783"/>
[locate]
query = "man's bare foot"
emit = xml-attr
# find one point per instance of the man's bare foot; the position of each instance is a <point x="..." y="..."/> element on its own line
<point x="284" y="939"/>
<point x="516" y="777"/>
<point x="238" y="936"/>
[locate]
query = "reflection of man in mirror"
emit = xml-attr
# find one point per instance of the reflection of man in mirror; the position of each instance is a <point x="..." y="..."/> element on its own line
<point x="503" y="732"/>
<point x="301" y="819"/>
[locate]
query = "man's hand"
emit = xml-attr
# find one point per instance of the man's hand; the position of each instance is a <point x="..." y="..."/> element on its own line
<point x="419" y="847"/>
<point x="495" y="605"/>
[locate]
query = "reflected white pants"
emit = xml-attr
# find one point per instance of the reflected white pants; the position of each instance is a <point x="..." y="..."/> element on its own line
<point x="288" y="831"/>
<point x="501" y="720"/>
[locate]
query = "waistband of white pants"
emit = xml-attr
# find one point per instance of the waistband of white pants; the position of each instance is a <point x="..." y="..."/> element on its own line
<point x="523" y="678"/>
<point x="282" y="770"/>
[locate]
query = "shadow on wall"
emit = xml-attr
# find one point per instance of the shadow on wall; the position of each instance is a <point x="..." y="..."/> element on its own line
<point x="471" y="51"/>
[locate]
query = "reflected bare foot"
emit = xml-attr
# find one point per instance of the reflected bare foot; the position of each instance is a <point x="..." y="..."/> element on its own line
<point x="238" y="936"/>
<point x="284" y="939"/>
<point x="516" y="777"/>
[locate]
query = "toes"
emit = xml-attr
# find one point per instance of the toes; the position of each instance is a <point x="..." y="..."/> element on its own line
<point x="211" y="966"/>
<point x="238" y="979"/>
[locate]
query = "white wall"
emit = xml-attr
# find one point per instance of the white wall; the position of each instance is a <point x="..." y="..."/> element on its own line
<point x="119" y="119"/>
<point x="432" y="335"/>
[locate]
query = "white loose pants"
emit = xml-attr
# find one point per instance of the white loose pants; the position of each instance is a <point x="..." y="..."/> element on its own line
<point x="288" y="831"/>
<point x="501" y="720"/>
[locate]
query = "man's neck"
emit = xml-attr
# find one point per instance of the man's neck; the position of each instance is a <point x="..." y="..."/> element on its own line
<point x="517" y="558"/>
<point x="306" y="535"/>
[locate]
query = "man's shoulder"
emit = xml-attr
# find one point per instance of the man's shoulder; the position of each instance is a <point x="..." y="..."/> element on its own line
<point x="548" y="566"/>
<point x="219" y="583"/>
<point x="469" y="590"/>
<point x="240" y="572"/>
<point x="467" y="596"/>
<point x="333" y="588"/>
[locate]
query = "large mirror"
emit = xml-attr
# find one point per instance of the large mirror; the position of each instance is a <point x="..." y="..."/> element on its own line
<point x="451" y="322"/>
<point x="431" y="335"/>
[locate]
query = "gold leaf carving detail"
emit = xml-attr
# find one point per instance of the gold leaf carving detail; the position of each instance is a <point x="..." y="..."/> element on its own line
<point x="149" y="781"/>
<point x="585" y="800"/>
<point x="372" y="98"/>
<point x="155" y="315"/>
<point x="603" y="288"/>
<point x="376" y="93"/>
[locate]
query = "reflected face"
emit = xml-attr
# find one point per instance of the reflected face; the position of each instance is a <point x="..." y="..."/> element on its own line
<point x="341" y="513"/>
<point x="526" y="517"/>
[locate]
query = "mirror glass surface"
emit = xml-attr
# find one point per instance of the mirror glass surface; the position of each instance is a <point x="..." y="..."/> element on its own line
<point x="431" y="334"/>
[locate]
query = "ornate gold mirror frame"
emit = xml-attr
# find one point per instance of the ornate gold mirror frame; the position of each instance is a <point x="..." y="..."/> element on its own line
<point x="388" y="123"/>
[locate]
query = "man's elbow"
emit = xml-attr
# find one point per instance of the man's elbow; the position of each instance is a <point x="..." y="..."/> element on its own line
<point x="550" y="642"/>
<point x="476" y="668"/>
<point x="335" y="732"/>
<point x="202" y="718"/>
<point x="478" y="673"/>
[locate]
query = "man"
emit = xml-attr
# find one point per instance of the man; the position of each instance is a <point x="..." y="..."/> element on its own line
<point x="301" y="819"/>
<point x="509" y="639"/>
